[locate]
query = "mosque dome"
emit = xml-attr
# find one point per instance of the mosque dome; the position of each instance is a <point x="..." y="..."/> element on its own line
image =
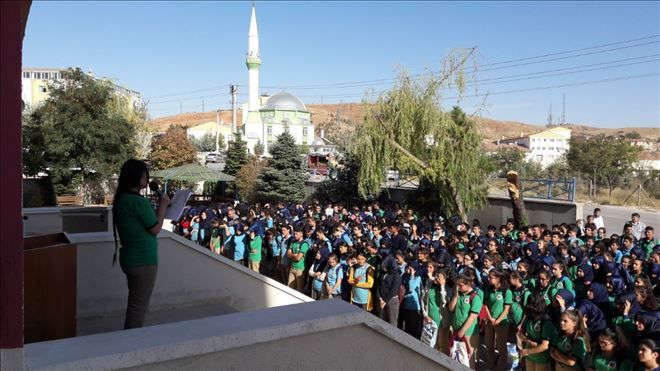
<point x="284" y="102"/>
<point x="318" y="142"/>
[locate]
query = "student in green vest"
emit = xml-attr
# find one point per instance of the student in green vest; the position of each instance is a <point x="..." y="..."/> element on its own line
<point x="137" y="225"/>
<point x="520" y="294"/>
<point x="498" y="302"/>
<point x="536" y="334"/>
<point x="612" y="353"/>
<point x="296" y="254"/>
<point x="466" y="305"/>
<point x="571" y="349"/>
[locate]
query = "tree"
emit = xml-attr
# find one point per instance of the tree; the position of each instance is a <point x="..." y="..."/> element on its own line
<point x="236" y="155"/>
<point x="407" y="130"/>
<point x="603" y="160"/>
<point x="82" y="133"/>
<point x="342" y="184"/>
<point x="283" y="179"/>
<point x="246" y="179"/>
<point x="207" y="142"/>
<point x="258" y="148"/>
<point x="172" y="149"/>
<point x="513" y="159"/>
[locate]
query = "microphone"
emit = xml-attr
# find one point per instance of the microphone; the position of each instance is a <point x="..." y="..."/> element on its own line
<point x="153" y="186"/>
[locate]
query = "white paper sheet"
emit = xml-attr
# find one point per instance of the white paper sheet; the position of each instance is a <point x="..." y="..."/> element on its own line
<point x="178" y="203"/>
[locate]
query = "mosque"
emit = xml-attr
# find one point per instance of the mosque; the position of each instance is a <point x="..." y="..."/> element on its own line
<point x="264" y="118"/>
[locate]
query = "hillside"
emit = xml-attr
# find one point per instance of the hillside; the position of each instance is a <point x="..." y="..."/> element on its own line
<point x="325" y="117"/>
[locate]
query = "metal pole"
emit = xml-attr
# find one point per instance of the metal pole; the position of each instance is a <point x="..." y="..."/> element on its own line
<point x="217" y="131"/>
<point x="232" y="90"/>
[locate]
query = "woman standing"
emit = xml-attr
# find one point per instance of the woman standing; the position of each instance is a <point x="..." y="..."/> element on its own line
<point x="137" y="225"/>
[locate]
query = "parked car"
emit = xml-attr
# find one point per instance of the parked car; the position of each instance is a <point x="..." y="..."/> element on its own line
<point x="213" y="157"/>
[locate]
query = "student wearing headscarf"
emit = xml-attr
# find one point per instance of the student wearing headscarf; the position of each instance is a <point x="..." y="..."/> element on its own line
<point x="625" y="309"/>
<point x="648" y="326"/>
<point x="595" y="319"/>
<point x="597" y="293"/>
<point x="585" y="275"/>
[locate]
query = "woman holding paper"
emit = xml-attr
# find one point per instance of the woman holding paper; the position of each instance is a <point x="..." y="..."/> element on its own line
<point x="137" y="225"/>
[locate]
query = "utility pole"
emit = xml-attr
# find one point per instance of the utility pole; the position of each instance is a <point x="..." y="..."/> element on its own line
<point x="217" y="131"/>
<point x="550" y="115"/>
<point x="202" y="105"/>
<point x="232" y="91"/>
<point x="563" y="108"/>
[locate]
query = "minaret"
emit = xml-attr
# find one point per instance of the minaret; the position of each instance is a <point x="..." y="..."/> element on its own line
<point x="253" y="62"/>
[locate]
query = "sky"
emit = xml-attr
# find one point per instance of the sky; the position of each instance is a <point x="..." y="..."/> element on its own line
<point x="604" y="57"/>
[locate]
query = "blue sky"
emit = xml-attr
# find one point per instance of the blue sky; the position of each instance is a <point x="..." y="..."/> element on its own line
<point x="164" y="49"/>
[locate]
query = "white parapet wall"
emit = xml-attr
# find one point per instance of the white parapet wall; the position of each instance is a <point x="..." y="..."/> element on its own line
<point x="188" y="275"/>
<point x="318" y="335"/>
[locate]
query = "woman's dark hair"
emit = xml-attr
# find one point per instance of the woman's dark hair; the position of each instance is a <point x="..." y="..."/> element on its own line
<point x="619" y="338"/>
<point x="129" y="177"/>
<point x="536" y="306"/>
<point x="503" y="276"/>
<point x="651" y="344"/>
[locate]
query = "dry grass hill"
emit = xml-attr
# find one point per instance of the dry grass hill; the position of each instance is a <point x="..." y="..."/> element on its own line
<point x="339" y="120"/>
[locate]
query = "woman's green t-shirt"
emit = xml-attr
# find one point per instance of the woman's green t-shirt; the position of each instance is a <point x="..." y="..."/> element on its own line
<point x="134" y="218"/>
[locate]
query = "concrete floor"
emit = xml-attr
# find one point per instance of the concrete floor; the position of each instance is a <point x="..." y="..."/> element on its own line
<point x="89" y="326"/>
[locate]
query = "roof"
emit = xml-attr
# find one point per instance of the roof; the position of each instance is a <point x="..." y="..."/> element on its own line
<point x="492" y="147"/>
<point x="284" y="102"/>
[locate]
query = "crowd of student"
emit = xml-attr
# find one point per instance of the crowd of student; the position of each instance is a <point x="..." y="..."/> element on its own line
<point x="570" y="296"/>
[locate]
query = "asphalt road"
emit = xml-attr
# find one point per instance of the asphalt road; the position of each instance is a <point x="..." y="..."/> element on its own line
<point x="616" y="216"/>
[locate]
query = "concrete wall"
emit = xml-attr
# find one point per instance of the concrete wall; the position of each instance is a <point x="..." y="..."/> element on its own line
<point x="538" y="212"/>
<point x="499" y="209"/>
<point x="328" y="334"/>
<point x="187" y="275"/>
<point x="43" y="220"/>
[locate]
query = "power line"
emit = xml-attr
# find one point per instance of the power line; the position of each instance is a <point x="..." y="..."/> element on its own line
<point x="571" y="51"/>
<point x="328" y="85"/>
<point x="592" y="82"/>
<point x="488" y="81"/>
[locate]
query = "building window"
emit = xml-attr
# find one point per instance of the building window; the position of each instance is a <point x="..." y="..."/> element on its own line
<point x="269" y="143"/>
<point x="269" y="130"/>
<point x="42" y="88"/>
<point x="26" y="75"/>
<point x="304" y="132"/>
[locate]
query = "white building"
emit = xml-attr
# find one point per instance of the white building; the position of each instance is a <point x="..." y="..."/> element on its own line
<point x="264" y="121"/>
<point x="545" y="147"/>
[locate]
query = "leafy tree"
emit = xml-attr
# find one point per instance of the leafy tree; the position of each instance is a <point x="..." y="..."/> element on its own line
<point x="258" y="148"/>
<point x="603" y="160"/>
<point x="406" y="129"/>
<point x="633" y="135"/>
<point x="342" y="184"/>
<point x="82" y="133"/>
<point x="513" y="159"/>
<point x="207" y="142"/>
<point x="284" y="178"/>
<point x="246" y="179"/>
<point x="236" y="155"/>
<point x="559" y="169"/>
<point x="172" y="149"/>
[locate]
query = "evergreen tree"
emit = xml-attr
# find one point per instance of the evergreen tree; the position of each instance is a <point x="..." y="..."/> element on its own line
<point x="236" y="155"/>
<point x="206" y="143"/>
<point x="81" y="133"/>
<point x="284" y="178"/>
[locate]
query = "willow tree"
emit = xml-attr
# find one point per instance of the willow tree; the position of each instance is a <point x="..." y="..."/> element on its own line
<point x="408" y="130"/>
